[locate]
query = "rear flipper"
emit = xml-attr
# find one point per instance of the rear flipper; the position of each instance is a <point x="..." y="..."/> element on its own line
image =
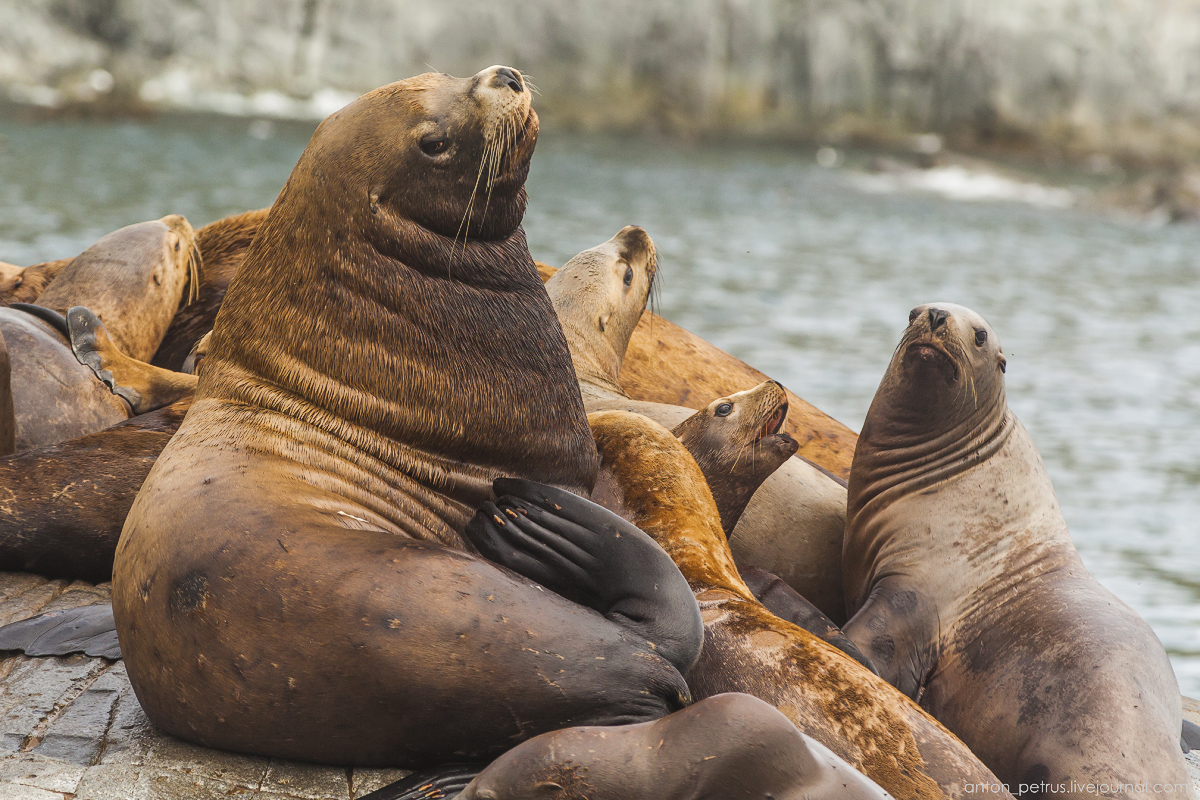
<point x="87" y="629"/>
<point x="143" y="386"/>
<point x="591" y="556"/>
<point x="441" y="783"/>
<point x="786" y="603"/>
<point x="47" y="315"/>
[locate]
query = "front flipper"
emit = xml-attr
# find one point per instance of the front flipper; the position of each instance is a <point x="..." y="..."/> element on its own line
<point x="1189" y="738"/>
<point x="441" y="783"/>
<point x="591" y="556"/>
<point x="898" y="628"/>
<point x="87" y="629"/>
<point x="47" y="315"/>
<point x="786" y="603"/>
<point x="144" y="386"/>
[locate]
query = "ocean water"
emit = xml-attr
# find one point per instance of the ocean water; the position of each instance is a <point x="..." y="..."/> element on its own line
<point x="805" y="272"/>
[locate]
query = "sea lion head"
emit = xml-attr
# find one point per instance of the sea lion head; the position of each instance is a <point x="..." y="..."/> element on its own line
<point x="599" y="296"/>
<point x="737" y="442"/>
<point x="940" y="407"/>
<point x="25" y="284"/>
<point x="398" y="237"/>
<point x="450" y="154"/>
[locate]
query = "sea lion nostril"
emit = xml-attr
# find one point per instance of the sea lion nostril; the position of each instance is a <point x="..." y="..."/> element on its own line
<point x="509" y="78"/>
<point x="937" y="318"/>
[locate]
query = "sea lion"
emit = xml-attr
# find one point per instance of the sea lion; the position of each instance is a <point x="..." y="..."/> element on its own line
<point x="25" y="284"/>
<point x="303" y="529"/>
<point x="8" y="415"/>
<point x="65" y="503"/>
<point x="222" y="246"/>
<point x="727" y="746"/>
<point x="134" y="280"/>
<point x="824" y="692"/>
<point x="737" y="443"/>
<point x="793" y="525"/>
<point x="969" y="595"/>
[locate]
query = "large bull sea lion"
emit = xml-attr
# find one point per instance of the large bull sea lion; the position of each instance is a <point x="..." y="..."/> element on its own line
<point x="793" y="525"/>
<point x="969" y="595"/>
<point x="292" y="579"/>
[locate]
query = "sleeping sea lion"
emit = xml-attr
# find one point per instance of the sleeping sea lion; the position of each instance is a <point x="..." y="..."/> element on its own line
<point x="824" y="692"/>
<point x="969" y="595"/>
<point x="134" y="280"/>
<point x="303" y="529"/>
<point x="793" y="525"/>
<point x="728" y="746"/>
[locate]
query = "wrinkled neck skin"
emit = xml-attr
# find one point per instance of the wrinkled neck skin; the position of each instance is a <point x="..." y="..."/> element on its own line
<point x="440" y="358"/>
<point x="951" y="494"/>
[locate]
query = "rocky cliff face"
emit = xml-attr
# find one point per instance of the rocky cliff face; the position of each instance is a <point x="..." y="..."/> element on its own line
<point x="1118" y="76"/>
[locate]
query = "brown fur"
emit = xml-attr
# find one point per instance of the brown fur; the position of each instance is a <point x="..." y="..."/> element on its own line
<point x="292" y="578"/>
<point x="64" y="504"/>
<point x="738" y="449"/>
<point x="25" y="285"/>
<point x="223" y="246"/>
<point x="969" y="593"/>
<point x="822" y="690"/>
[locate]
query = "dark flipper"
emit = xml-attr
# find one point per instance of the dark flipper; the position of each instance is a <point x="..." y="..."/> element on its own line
<point x="786" y="603"/>
<point x="591" y="556"/>
<point x="1189" y="740"/>
<point x="88" y="336"/>
<point x="87" y="629"/>
<point x="48" y="315"/>
<point x="442" y="783"/>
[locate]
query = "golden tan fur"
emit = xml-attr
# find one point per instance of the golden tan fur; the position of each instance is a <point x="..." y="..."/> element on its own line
<point x="823" y="691"/>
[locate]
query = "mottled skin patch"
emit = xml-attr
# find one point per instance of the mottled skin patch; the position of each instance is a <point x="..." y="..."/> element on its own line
<point x="823" y="691"/>
<point x="969" y="593"/>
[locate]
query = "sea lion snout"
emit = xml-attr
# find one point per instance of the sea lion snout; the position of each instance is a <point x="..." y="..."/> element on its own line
<point x="937" y="318"/>
<point x="507" y="76"/>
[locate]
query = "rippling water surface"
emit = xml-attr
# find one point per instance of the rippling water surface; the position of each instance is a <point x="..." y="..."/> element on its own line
<point x="801" y="272"/>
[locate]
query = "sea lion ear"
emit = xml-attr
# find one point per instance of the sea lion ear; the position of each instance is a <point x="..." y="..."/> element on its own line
<point x="603" y="321"/>
<point x="1003" y="364"/>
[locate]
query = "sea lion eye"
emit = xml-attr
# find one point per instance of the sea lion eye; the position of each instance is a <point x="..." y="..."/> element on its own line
<point x="20" y="279"/>
<point x="433" y="143"/>
<point x="980" y="338"/>
<point x="628" y="275"/>
<point x="177" y="247"/>
<point x="724" y="409"/>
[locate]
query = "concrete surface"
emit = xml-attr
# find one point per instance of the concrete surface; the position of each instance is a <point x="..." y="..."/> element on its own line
<point x="71" y="729"/>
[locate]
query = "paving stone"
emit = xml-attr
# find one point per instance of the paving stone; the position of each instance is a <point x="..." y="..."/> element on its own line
<point x="13" y="584"/>
<point x="16" y="791"/>
<point x="163" y="784"/>
<point x="29" y="602"/>
<point x="365" y="781"/>
<point x="78" y="594"/>
<point x="77" y="734"/>
<point x="309" y="781"/>
<point x="131" y="735"/>
<point x="109" y="782"/>
<point x="30" y="769"/>
<point x="202" y="762"/>
<point x="36" y="688"/>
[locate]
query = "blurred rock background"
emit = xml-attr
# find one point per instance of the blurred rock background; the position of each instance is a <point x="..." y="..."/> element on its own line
<point x="1115" y="80"/>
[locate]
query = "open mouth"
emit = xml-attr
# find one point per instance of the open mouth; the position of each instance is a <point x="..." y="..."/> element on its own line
<point x="774" y="422"/>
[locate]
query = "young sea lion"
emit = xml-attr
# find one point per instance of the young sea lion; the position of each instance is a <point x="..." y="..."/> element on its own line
<point x="302" y="530"/>
<point x="824" y="692"/>
<point x="970" y="596"/>
<point x="793" y="525"/>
